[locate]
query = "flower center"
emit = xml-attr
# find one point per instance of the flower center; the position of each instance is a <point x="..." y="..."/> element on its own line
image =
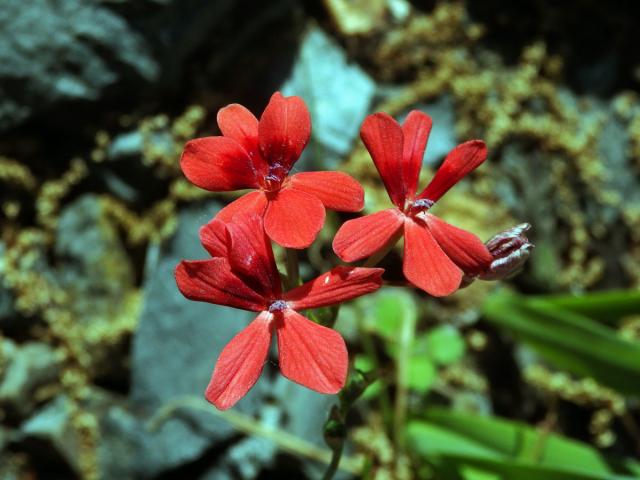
<point x="272" y="181"/>
<point x="419" y="206"/>
<point x="278" y="306"/>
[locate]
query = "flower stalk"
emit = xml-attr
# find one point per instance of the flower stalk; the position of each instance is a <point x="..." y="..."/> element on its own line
<point x="292" y="267"/>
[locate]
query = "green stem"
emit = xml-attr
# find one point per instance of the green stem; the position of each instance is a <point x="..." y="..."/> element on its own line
<point x="248" y="425"/>
<point x="402" y="394"/>
<point x="335" y="462"/>
<point x="291" y="264"/>
<point x="370" y="350"/>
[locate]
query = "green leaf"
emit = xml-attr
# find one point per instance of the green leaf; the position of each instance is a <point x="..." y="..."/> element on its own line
<point x="366" y="364"/>
<point x="392" y="307"/>
<point x="474" y="473"/>
<point x="445" y="345"/>
<point x="511" y="449"/>
<point x="609" y="307"/>
<point x="569" y="340"/>
<point x="421" y="373"/>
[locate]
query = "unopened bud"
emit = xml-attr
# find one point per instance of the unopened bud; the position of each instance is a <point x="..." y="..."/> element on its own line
<point x="510" y="250"/>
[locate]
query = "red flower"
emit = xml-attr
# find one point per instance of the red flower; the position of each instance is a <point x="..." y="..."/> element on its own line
<point x="435" y="253"/>
<point x="243" y="274"/>
<point x="260" y="155"/>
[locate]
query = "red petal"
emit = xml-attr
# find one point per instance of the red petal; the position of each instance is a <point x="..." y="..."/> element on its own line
<point x="238" y="123"/>
<point x="252" y="202"/>
<point x="310" y="354"/>
<point x="294" y="218"/>
<point x="212" y="281"/>
<point x="416" y="130"/>
<point x="240" y="363"/>
<point x="425" y="264"/>
<point x="364" y="236"/>
<point x="284" y="130"/>
<point x="336" y="286"/>
<point x="218" y="164"/>
<point x="383" y="137"/>
<point x="213" y="237"/>
<point x="336" y="190"/>
<point x="464" y="248"/>
<point x="251" y="255"/>
<point x="459" y="162"/>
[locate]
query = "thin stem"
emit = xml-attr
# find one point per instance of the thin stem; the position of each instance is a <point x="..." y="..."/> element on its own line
<point x="283" y="439"/>
<point x="370" y="350"/>
<point x="291" y="264"/>
<point x="546" y="427"/>
<point x="377" y="257"/>
<point x="402" y="395"/>
<point x="335" y="462"/>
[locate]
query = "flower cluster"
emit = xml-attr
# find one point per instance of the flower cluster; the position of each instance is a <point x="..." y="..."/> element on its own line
<point x="290" y="210"/>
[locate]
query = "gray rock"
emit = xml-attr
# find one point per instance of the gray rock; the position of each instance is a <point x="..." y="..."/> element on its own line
<point x="7" y="307"/>
<point x="95" y="263"/>
<point x="29" y="366"/>
<point x="443" y="133"/>
<point x="175" y="349"/>
<point x="613" y="145"/>
<point x="61" y="51"/>
<point x="53" y="425"/>
<point x="337" y="92"/>
<point x="174" y="352"/>
<point x="95" y="271"/>
<point x="189" y="334"/>
<point x="126" y="144"/>
<point x="52" y="52"/>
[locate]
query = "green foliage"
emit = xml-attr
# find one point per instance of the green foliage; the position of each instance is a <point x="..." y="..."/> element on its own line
<point x="609" y="307"/>
<point x="474" y="447"/>
<point x="444" y="345"/>
<point x="570" y="334"/>
<point x="387" y="312"/>
<point x="392" y="307"/>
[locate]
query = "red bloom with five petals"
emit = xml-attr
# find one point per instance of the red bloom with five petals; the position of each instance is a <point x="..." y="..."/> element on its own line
<point x="436" y="254"/>
<point x="259" y="155"/>
<point x="243" y="274"/>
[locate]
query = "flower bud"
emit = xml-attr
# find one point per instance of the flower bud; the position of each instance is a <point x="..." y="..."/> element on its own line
<point x="510" y="250"/>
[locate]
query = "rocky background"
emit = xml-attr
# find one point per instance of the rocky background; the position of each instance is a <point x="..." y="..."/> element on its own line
<point x="103" y="363"/>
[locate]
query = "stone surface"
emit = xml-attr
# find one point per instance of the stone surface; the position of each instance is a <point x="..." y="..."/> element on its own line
<point x="95" y="263"/>
<point x="95" y="271"/>
<point x="52" y="425"/>
<point x="64" y="50"/>
<point x="443" y="133"/>
<point x="25" y="368"/>
<point x="53" y="53"/>
<point x="337" y="92"/>
<point x="7" y="307"/>
<point x="174" y="352"/>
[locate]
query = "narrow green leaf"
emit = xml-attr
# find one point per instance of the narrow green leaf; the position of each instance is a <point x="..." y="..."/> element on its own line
<point x="518" y="443"/>
<point x="569" y="340"/>
<point x="609" y="307"/>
